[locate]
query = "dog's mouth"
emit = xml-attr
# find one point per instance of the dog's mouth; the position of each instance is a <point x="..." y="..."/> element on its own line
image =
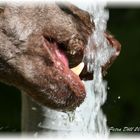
<point x="63" y="58"/>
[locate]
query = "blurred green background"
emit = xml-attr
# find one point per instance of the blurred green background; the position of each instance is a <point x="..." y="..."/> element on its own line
<point x="123" y="103"/>
<point x="122" y="107"/>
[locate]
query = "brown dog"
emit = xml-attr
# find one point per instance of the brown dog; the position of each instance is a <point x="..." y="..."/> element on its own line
<point x="38" y="46"/>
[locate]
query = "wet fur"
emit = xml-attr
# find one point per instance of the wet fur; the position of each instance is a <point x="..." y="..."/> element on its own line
<point x="24" y="62"/>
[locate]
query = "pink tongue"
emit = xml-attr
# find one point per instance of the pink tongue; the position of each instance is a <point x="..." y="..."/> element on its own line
<point x="62" y="57"/>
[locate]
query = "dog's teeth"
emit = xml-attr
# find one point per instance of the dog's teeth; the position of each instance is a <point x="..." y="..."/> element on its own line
<point x="78" y="69"/>
<point x="73" y="52"/>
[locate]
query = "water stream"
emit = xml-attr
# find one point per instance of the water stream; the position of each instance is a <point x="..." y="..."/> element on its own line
<point x="97" y="54"/>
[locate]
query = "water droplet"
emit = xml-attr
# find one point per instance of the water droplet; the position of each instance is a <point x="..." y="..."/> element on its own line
<point x="71" y="116"/>
<point x="119" y="97"/>
<point x="34" y="108"/>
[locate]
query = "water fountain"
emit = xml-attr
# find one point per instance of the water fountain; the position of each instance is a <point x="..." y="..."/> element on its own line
<point x="88" y="119"/>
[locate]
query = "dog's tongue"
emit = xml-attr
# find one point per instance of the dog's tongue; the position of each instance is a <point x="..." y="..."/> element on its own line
<point x="61" y="56"/>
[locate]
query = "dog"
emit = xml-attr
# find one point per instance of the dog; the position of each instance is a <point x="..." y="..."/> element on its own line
<point x="40" y="46"/>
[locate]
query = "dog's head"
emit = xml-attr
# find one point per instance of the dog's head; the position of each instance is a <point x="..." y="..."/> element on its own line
<point x="47" y="45"/>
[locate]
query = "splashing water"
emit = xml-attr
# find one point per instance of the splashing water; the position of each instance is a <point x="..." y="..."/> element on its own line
<point x="97" y="54"/>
